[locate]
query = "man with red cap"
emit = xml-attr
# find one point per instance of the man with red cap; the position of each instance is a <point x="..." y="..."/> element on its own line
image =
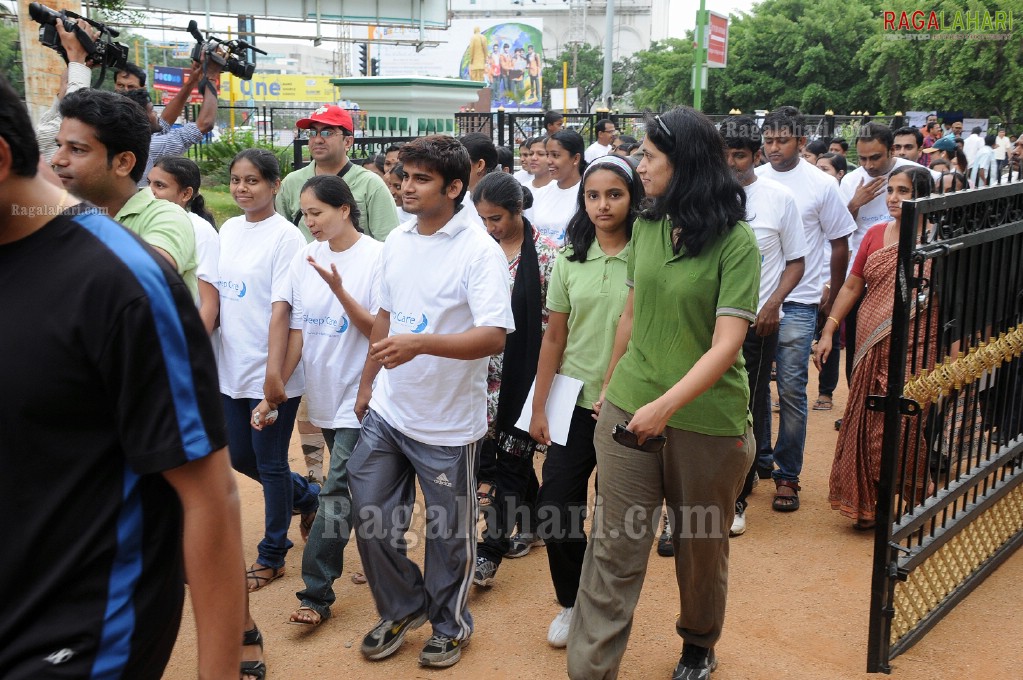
<point x="330" y="136"/>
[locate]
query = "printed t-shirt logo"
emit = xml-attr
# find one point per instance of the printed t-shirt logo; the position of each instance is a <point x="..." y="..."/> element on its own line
<point x="326" y="325"/>
<point x="231" y="290"/>
<point x="414" y="323"/>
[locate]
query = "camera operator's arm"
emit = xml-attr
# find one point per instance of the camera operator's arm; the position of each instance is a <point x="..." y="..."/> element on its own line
<point x="76" y="77"/>
<point x="172" y="111"/>
<point x="208" y="112"/>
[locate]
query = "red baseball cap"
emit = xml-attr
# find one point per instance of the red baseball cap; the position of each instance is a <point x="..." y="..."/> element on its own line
<point x="330" y="114"/>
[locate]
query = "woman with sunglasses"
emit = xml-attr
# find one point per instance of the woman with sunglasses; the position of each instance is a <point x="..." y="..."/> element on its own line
<point x="673" y="420"/>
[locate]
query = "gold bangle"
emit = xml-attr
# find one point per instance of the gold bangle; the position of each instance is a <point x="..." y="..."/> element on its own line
<point x="837" y="323"/>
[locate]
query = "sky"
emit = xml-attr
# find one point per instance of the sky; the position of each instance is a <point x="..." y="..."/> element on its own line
<point x="682" y="13"/>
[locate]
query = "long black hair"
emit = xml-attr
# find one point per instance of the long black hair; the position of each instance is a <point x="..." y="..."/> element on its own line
<point x="703" y="199"/>
<point x="504" y="191"/>
<point x="335" y="192"/>
<point x="186" y="173"/>
<point x="919" y="178"/>
<point x="581" y="231"/>
<point x="572" y="142"/>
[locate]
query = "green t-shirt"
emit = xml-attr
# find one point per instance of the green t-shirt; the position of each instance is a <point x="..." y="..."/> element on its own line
<point x="166" y="226"/>
<point x="378" y="212"/>
<point x="593" y="295"/>
<point x="677" y="300"/>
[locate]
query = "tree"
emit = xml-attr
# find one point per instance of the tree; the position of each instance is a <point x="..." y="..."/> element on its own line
<point x="10" y="58"/>
<point x="586" y="72"/>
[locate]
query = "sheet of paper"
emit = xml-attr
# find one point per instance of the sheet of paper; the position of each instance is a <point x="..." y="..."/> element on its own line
<point x="560" y="405"/>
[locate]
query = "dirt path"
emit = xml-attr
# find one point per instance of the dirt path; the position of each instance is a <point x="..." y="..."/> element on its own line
<point x="797" y="607"/>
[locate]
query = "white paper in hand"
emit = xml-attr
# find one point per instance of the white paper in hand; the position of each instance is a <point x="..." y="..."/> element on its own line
<point x="560" y="405"/>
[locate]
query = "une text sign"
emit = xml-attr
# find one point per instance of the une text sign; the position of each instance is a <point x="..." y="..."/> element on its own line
<point x="269" y="87"/>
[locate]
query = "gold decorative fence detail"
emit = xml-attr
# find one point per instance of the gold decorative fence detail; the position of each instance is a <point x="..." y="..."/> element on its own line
<point x="941" y="573"/>
<point x="926" y="387"/>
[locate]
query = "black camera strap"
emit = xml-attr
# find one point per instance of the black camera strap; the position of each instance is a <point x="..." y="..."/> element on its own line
<point x="341" y="174"/>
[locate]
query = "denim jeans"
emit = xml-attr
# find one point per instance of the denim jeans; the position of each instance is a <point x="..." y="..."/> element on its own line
<point x="759" y="353"/>
<point x="795" y="335"/>
<point x="263" y="456"/>
<point x="323" y="559"/>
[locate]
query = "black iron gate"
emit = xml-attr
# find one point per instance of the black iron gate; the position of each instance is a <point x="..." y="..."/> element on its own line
<point x="950" y="506"/>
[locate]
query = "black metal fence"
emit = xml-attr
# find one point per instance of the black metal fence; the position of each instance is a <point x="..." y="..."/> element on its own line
<point x="950" y="498"/>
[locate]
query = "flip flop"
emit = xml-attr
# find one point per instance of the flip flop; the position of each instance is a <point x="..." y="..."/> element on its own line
<point x="315" y="615"/>
<point x="822" y="404"/>
<point x="253" y="576"/>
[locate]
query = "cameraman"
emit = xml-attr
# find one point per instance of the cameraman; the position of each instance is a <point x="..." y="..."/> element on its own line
<point x="131" y="77"/>
<point x="174" y="141"/>
<point x="77" y="76"/>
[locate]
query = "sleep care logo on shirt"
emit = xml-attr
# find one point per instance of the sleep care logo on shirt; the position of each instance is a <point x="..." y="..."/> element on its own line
<point x="326" y="325"/>
<point x="231" y="290"/>
<point x="411" y="323"/>
<point x="556" y="235"/>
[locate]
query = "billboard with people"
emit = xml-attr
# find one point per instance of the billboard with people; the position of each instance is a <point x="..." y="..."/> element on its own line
<point x="506" y="56"/>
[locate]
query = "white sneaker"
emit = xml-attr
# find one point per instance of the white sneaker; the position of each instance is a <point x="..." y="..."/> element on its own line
<point x="739" y="523"/>
<point x="557" y="634"/>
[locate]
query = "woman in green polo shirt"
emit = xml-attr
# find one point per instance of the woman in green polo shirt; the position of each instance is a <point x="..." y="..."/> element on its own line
<point x="585" y="300"/>
<point x="674" y="424"/>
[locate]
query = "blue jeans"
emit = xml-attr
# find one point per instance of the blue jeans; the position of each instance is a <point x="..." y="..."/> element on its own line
<point x="263" y="456"/>
<point x="323" y="559"/>
<point x="795" y="335"/>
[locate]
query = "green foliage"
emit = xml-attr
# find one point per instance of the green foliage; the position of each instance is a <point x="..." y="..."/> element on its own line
<point x="832" y="54"/>
<point x="586" y="72"/>
<point x="10" y="58"/>
<point x="215" y="166"/>
<point x="220" y="203"/>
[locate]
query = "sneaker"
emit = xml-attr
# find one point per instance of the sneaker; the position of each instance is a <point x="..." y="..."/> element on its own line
<point x="664" y="545"/>
<point x="739" y="523"/>
<point x="697" y="663"/>
<point x="441" y="651"/>
<point x="522" y="543"/>
<point x="486" y="571"/>
<point x="387" y="635"/>
<point x="557" y="634"/>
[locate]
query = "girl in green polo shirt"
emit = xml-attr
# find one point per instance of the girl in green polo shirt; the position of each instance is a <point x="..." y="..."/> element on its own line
<point x="585" y="300"/>
<point x="674" y="425"/>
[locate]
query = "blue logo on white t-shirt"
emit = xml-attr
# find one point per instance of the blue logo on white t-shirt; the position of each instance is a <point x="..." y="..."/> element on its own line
<point x="324" y="325"/>
<point x="411" y="321"/>
<point x="233" y="290"/>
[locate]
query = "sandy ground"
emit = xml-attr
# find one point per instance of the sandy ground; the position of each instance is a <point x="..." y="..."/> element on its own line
<point x="797" y="607"/>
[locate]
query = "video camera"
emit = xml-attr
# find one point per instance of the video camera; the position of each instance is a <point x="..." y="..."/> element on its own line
<point x="229" y="54"/>
<point x="101" y="52"/>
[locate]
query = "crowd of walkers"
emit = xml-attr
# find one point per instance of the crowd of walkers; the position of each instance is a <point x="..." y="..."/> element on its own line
<point x="420" y="320"/>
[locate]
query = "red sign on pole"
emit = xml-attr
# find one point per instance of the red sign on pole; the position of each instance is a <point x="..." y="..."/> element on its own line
<point x="717" y="41"/>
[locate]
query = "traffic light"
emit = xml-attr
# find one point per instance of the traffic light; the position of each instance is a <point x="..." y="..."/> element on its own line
<point x="374" y="67"/>
<point x="361" y="59"/>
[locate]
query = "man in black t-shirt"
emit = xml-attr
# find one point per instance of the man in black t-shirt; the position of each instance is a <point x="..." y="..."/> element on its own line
<point x="106" y="372"/>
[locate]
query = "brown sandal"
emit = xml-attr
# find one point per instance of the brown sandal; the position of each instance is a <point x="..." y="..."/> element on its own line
<point x="823" y="403"/>
<point x="786" y="502"/>
<point x="305" y="616"/>
<point x="255" y="577"/>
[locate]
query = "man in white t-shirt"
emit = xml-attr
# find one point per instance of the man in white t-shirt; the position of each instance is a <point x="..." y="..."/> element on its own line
<point x="984" y="168"/>
<point x="606" y="133"/>
<point x="1002" y="149"/>
<point x="444" y="310"/>
<point x="865" y="190"/>
<point x="772" y="213"/>
<point x="826" y="221"/>
<point x="973" y="144"/>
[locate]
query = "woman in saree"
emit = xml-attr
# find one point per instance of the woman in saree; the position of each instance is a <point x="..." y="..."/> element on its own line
<point x="857" y="466"/>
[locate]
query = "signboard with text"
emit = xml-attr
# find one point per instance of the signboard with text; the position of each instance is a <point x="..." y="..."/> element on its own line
<point x="273" y="88"/>
<point x="717" y="40"/>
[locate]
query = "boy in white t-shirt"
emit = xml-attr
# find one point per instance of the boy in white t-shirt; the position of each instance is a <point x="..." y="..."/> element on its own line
<point x="444" y="310"/>
<point x="772" y="213"/>
<point x="826" y="221"/>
